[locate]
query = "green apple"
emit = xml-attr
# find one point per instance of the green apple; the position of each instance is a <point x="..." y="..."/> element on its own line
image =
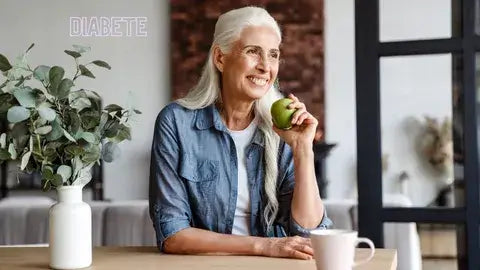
<point x="281" y="114"/>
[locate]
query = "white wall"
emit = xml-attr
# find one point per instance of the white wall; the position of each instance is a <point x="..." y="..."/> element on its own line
<point x="340" y="122"/>
<point x="410" y="87"/>
<point x="139" y="64"/>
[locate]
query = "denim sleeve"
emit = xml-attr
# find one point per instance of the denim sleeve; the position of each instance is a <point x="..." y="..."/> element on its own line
<point x="168" y="200"/>
<point x="285" y="194"/>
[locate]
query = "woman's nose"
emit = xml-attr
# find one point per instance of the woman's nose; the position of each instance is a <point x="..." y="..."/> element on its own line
<point x="263" y="64"/>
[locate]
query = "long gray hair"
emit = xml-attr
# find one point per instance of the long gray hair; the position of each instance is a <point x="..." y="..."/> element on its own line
<point x="207" y="91"/>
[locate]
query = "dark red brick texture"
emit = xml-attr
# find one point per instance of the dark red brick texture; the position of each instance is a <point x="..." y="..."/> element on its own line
<point x="302" y="53"/>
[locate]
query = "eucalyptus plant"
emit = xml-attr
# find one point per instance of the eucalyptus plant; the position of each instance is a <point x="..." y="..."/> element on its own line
<point x="54" y="127"/>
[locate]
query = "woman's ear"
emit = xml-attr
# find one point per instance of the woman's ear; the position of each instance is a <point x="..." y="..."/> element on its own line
<point x="218" y="58"/>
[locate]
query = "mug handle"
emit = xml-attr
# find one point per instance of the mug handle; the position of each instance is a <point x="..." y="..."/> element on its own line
<point x="372" y="250"/>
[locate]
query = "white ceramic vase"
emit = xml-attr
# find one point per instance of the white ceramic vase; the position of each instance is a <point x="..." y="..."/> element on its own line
<point x="70" y="224"/>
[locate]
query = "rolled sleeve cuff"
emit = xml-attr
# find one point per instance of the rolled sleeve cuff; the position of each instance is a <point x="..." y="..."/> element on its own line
<point x="164" y="230"/>
<point x="296" y="229"/>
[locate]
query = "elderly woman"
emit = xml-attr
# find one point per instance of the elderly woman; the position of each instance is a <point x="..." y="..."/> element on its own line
<point x="223" y="179"/>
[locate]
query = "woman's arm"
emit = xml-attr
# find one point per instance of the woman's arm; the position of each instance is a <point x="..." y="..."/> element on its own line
<point x="198" y="241"/>
<point x="307" y="207"/>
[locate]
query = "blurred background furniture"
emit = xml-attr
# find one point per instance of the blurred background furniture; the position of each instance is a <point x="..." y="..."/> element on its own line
<point x="124" y="223"/>
<point x="24" y="221"/>
<point x="401" y="236"/>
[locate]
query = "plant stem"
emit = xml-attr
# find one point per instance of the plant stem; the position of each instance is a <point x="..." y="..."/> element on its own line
<point x="76" y="73"/>
<point x="44" y="85"/>
<point x="4" y="83"/>
<point x="39" y="146"/>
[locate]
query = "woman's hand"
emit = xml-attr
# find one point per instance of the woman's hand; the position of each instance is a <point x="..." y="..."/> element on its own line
<point x="287" y="247"/>
<point x="304" y="126"/>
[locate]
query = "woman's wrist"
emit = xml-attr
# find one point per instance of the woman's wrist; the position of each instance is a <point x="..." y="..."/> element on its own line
<point x="257" y="246"/>
<point x="302" y="150"/>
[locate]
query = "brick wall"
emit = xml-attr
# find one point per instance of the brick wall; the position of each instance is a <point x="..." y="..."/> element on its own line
<point x="302" y="53"/>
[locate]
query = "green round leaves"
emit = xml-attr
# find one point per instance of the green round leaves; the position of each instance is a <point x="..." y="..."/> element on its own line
<point x="47" y="113"/>
<point x="43" y="130"/>
<point x="59" y="87"/>
<point x="25" y="97"/>
<point x="55" y="129"/>
<point x="17" y="114"/>
<point x="110" y="152"/>
<point x="4" y="64"/>
<point x="41" y="73"/>
<point x="55" y="76"/>
<point x="103" y="64"/>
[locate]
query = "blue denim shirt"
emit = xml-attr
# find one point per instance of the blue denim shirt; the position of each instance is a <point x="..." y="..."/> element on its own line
<point x="193" y="177"/>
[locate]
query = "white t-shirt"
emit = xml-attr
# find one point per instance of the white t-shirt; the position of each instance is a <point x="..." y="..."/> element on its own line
<point x="241" y="221"/>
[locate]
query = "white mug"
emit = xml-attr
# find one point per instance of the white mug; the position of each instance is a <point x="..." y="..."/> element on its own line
<point x="335" y="249"/>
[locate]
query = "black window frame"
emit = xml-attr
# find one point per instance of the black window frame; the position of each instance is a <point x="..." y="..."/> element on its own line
<point x="369" y="50"/>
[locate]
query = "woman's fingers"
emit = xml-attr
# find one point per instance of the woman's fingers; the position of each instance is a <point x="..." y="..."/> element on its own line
<point x="311" y="120"/>
<point x="292" y="247"/>
<point x="300" y="255"/>
<point x="297" y="114"/>
<point x="301" y="112"/>
<point x="303" y="246"/>
<point x="305" y="249"/>
<point x="296" y="105"/>
<point x="293" y="97"/>
<point x="303" y="117"/>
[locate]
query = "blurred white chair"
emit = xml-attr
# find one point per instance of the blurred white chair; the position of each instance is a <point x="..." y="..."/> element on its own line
<point x="24" y="220"/>
<point x="400" y="236"/>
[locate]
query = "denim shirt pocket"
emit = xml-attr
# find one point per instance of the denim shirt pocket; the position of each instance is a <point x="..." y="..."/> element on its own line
<point x="201" y="177"/>
<point x="196" y="170"/>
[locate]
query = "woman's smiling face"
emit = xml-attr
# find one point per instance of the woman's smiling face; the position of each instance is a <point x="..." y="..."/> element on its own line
<point x="251" y="67"/>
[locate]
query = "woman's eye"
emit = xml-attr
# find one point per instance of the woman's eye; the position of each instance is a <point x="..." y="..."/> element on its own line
<point x="274" y="55"/>
<point x="252" y="51"/>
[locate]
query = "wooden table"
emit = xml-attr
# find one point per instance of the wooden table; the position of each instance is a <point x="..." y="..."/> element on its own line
<point x="146" y="258"/>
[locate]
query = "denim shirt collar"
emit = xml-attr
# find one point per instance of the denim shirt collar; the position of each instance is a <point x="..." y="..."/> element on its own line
<point x="210" y="117"/>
